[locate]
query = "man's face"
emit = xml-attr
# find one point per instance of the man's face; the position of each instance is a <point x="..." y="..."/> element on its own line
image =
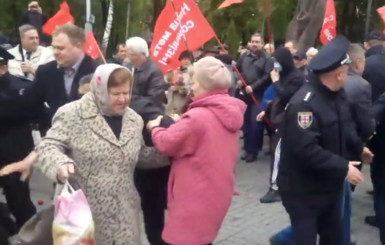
<point x="66" y="54"/>
<point x="360" y="65"/>
<point x="299" y="62"/>
<point x="137" y="59"/>
<point x="256" y="43"/>
<point x="269" y="49"/>
<point x="122" y="52"/>
<point x="30" y="40"/>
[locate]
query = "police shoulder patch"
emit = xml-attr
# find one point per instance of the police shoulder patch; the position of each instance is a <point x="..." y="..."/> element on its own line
<point x="305" y="119"/>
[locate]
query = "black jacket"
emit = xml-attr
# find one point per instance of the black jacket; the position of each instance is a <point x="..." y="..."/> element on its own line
<point x="47" y="93"/>
<point x="377" y="144"/>
<point x="16" y="138"/>
<point x="374" y="71"/>
<point x="255" y="69"/>
<point x="290" y="81"/>
<point x="314" y="141"/>
<point x="359" y="94"/>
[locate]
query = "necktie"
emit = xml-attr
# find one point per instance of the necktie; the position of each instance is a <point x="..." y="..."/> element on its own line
<point x="28" y="55"/>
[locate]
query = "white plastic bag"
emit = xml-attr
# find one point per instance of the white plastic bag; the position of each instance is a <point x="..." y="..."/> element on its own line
<point x="72" y="224"/>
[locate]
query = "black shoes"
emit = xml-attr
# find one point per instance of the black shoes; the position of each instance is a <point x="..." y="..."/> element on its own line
<point x="250" y="158"/>
<point x="271" y="197"/>
<point x="371" y="220"/>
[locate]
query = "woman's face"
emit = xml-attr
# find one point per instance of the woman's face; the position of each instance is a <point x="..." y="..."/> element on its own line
<point x="119" y="98"/>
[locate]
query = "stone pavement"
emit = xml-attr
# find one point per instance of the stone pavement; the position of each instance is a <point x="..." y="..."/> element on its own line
<point x="249" y="222"/>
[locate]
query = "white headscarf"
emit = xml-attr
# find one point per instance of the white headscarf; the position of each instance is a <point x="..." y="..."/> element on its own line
<point x="99" y="87"/>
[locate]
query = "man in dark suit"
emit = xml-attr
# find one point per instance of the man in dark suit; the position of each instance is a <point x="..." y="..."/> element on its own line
<point x="56" y="83"/>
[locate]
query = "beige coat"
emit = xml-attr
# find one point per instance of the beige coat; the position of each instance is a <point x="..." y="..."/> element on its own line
<point x="41" y="56"/>
<point x="104" y="166"/>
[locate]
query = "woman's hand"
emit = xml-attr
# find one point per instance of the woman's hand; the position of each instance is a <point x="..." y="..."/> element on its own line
<point x="175" y="117"/>
<point x="154" y="123"/>
<point x="20" y="166"/>
<point x="260" y="116"/>
<point x="64" y="172"/>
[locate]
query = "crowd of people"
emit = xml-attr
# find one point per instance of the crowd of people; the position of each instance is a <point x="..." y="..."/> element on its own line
<point x="137" y="140"/>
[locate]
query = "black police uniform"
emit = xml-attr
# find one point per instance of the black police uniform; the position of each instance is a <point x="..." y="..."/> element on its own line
<point x="15" y="144"/>
<point x="312" y="168"/>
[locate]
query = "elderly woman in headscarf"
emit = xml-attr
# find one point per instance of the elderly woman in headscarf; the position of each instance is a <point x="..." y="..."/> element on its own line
<point x="97" y="140"/>
<point x="204" y="146"/>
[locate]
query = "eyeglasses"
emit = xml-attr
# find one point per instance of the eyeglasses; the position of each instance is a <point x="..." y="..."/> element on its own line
<point x="346" y="61"/>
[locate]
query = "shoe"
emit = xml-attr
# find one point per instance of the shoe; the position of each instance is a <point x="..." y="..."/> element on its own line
<point x="371" y="220"/>
<point x="370" y="192"/>
<point x="244" y="156"/>
<point x="353" y="243"/>
<point x="250" y="158"/>
<point x="274" y="241"/>
<point x="271" y="197"/>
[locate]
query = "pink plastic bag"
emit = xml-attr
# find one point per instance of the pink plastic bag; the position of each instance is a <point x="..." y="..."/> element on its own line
<point x="73" y="224"/>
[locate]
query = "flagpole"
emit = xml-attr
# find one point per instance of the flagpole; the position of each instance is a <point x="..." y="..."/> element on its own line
<point x="245" y="85"/>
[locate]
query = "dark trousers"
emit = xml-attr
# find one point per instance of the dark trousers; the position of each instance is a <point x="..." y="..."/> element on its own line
<point x="378" y="179"/>
<point x="252" y="130"/>
<point x="18" y="198"/>
<point x="312" y="215"/>
<point x="152" y="187"/>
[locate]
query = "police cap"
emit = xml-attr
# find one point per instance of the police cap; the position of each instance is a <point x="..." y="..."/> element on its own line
<point x="331" y="56"/>
<point x="5" y="56"/>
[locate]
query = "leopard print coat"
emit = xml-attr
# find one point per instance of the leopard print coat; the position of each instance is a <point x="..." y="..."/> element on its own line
<point x="104" y="166"/>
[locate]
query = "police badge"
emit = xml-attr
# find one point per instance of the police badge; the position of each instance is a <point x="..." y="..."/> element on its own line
<point x="305" y="119"/>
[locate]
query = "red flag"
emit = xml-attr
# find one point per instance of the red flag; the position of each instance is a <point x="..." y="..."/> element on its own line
<point x="227" y="3"/>
<point x="91" y="47"/>
<point x="328" y="30"/>
<point x="381" y="12"/>
<point x="169" y="32"/>
<point x="62" y="17"/>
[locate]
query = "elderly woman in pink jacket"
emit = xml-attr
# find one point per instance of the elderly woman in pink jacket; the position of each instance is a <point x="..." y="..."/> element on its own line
<point x="204" y="146"/>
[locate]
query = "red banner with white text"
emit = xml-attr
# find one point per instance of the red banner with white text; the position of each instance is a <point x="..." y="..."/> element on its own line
<point x="328" y="30"/>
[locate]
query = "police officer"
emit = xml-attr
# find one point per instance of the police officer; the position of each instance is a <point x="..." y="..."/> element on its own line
<point x="15" y="144"/>
<point x="314" y="141"/>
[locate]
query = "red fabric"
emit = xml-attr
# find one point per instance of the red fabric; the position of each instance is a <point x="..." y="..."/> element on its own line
<point x="381" y="12"/>
<point x="204" y="147"/>
<point x="168" y="41"/>
<point x="91" y="47"/>
<point x="62" y="17"/>
<point x="328" y="30"/>
<point x="227" y="3"/>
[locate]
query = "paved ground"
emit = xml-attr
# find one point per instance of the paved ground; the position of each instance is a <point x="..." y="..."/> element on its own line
<point x="251" y="223"/>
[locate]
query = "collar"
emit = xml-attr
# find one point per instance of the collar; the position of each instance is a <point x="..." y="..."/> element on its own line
<point x="375" y="50"/>
<point x="144" y="65"/>
<point x="319" y="86"/>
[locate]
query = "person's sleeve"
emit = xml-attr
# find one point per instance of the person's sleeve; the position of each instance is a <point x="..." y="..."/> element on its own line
<point x="264" y="80"/>
<point x="157" y="86"/>
<point x="379" y="109"/>
<point x="53" y="147"/>
<point x="179" y="140"/>
<point x="303" y="143"/>
<point x="363" y="112"/>
<point x="285" y="93"/>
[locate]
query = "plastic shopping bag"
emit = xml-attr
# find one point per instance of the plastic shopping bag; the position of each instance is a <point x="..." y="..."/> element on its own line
<point x="72" y="224"/>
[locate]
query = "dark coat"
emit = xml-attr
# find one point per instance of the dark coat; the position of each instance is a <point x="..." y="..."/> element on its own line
<point x="46" y="95"/>
<point x="290" y="81"/>
<point x="255" y="69"/>
<point x="377" y="144"/>
<point x="16" y="138"/>
<point x="314" y="142"/>
<point x="374" y="71"/>
<point x="359" y="94"/>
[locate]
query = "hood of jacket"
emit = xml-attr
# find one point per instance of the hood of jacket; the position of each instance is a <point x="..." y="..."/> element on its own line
<point x="285" y="59"/>
<point x="375" y="50"/>
<point x="228" y="110"/>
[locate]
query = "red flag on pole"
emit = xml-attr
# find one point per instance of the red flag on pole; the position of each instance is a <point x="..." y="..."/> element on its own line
<point x="180" y="24"/>
<point x="62" y="17"/>
<point x="227" y="3"/>
<point x="91" y="47"/>
<point x="381" y="12"/>
<point x="328" y="30"/>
